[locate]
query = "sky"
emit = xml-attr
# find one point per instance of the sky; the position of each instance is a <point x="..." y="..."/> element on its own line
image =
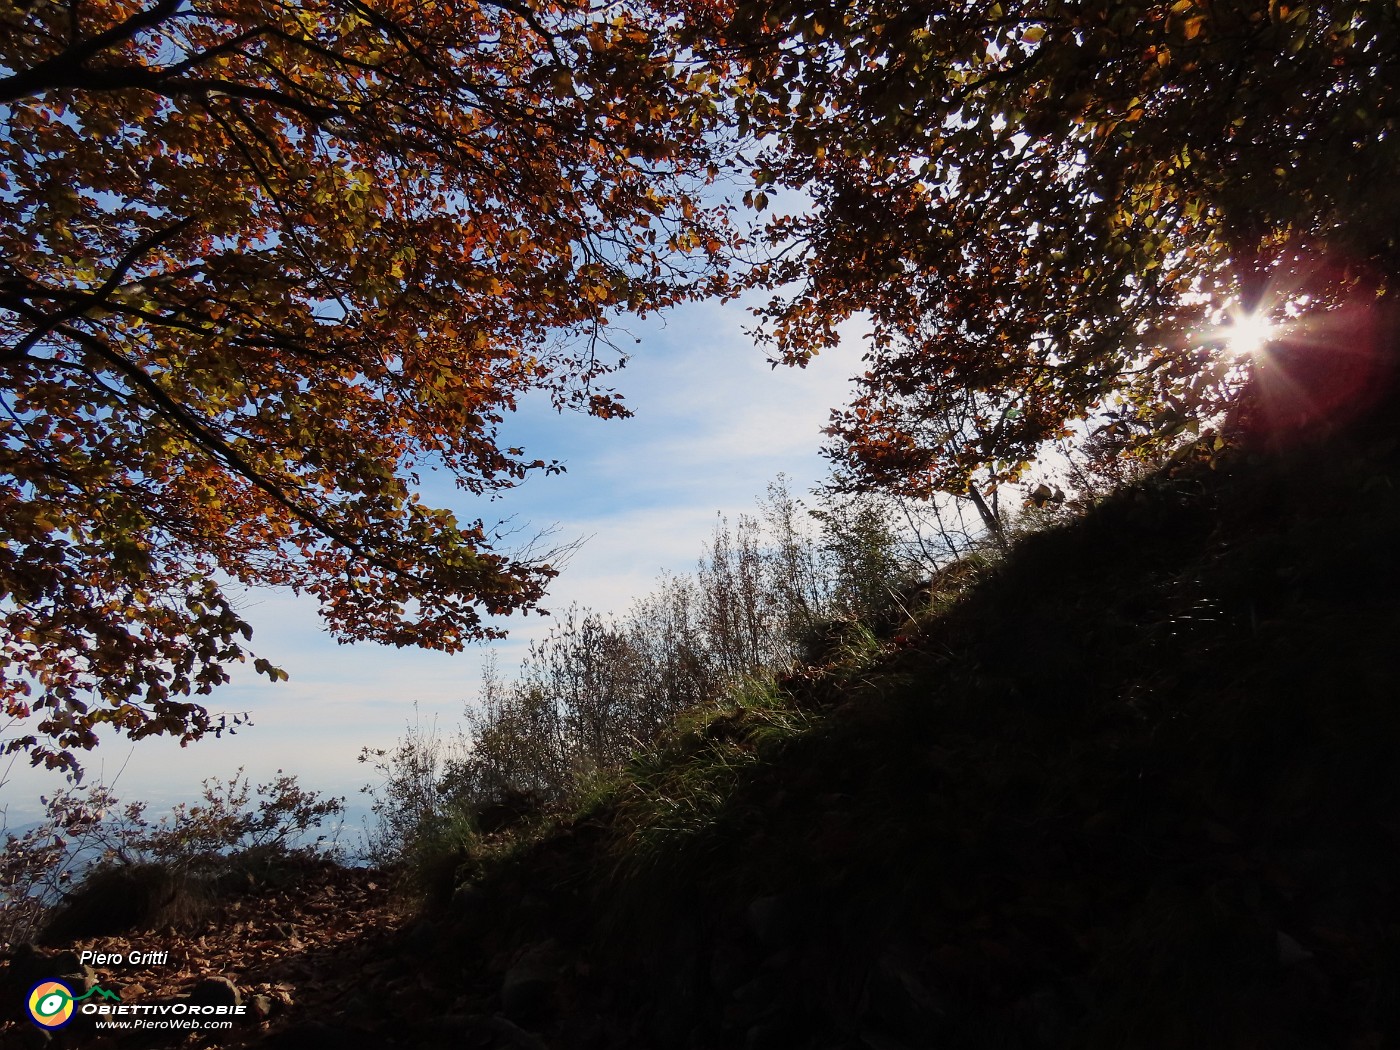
<point x="713" y="425"/>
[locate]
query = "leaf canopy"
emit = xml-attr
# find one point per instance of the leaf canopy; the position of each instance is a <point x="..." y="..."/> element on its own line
<point x="261" y="264"/>
<point x="1043" y="205"/>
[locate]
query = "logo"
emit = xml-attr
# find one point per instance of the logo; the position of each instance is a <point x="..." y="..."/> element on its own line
<point x="51" y="1002"/>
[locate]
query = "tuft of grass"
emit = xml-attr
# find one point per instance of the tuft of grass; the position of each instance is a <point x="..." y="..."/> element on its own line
<point x="444" y="851"/>
<point x="117" y="898"/>
<point x="670" y="798"/>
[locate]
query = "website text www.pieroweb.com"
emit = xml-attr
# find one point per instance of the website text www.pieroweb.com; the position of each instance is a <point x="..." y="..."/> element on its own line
<point x="54" y="1004"/>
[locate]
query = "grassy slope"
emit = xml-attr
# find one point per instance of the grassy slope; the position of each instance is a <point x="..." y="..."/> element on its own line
<point x="1137" y="788"/>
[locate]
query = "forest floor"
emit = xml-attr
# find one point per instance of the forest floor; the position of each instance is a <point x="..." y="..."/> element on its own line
<point x="320" y="949"/>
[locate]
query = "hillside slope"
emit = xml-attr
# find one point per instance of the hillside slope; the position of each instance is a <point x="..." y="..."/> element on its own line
<point x="1136" y="788"/>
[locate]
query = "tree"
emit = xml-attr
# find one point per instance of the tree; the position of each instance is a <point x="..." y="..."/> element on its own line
<point x="1048" y="207"/>
<point x="263" y="263"/>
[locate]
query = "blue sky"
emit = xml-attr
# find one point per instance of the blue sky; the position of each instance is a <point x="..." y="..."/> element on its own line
<point x="713" y="425"/>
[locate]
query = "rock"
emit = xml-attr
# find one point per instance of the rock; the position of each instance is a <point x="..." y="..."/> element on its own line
<point x="22" y="951"/>
<point x="466" y="903"/>
<point x="1042" y="1012"/>
<point x="80" y="979"/>
<point x="513" y="1035"/>
<point x="669" y="1025"/>
<point x="421" y="938"/>
<point x="25" y="968"/>
<point x="877" y="1040"/>
<point x="1290" y="952"/>
<point x="28" y="966"/>
<point x="759" y="1001"/>
<point x="775" y="921"/>
<point x="899" y="999"/>
<point x="458" y="1031"/>
<point x="766" y="988"/>
<point x="448" y="1030"/>
<point x="527" y="990"/>
<point x="321" y="1037"/>
<point x="779" y="960"/>
<point x="63" y="963"/>
<point x="729" y="967"/>
<point x="32" y="1037"/>
<point x="215" y="991"/>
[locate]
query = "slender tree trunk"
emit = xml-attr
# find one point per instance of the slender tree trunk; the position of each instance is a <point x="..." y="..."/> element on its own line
<point x="989" y="518"/>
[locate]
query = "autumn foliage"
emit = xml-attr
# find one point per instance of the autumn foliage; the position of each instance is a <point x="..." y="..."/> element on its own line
<point x="1046" y="208"/>
<point x="261" y="265"/>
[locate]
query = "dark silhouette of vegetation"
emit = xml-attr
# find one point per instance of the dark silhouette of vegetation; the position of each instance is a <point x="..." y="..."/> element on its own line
<point x="1133" y="787"/>
<point x="1130" y="785"/>
<point x="775" y="591"/>
<point x="1130" y="782"/>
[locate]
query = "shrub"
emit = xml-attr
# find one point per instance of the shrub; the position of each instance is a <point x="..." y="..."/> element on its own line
<point x="39" y="866"/>
<point x="131" y="871"/>
<point x="407" y="799"/>
<point x="791" y="586"/>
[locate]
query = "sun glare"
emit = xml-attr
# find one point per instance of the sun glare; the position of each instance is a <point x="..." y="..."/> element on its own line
<point x="1248" y="334"/>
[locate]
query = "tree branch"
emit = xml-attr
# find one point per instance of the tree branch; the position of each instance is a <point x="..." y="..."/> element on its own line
<point x="57" y="71"/>
<point x="89" y="300"/>
<point x="217" y="447"/>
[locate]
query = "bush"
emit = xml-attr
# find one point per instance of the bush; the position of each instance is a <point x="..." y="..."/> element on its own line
<point x="39" y="866"/>
<point x="407" y="802"/>
<point x="131" y="871"/>
<point x="787" y="587"/>
<point x="435" y="801"/>
<point x="233" y="821"/>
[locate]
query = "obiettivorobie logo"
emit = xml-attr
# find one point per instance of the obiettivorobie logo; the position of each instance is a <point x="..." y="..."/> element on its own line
<point x="51" y="1003"/>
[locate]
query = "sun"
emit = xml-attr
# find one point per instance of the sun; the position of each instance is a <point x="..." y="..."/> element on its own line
<point x="1248" y="334"/>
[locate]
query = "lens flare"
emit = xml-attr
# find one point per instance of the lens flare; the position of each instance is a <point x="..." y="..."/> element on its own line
<point x="1248" y="334"/>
